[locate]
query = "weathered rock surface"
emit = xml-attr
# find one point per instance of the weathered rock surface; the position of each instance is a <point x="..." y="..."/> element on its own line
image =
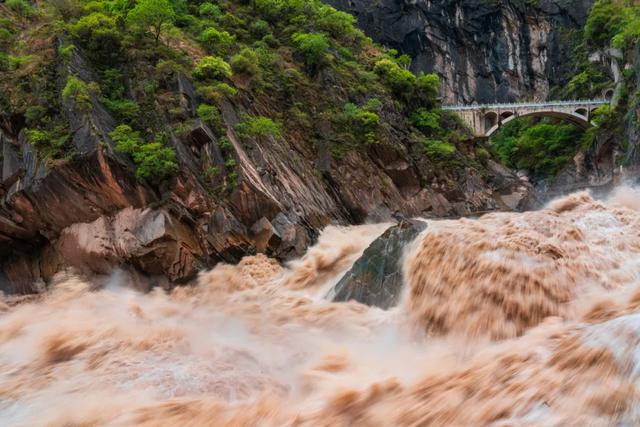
<point x="91" y="213"/>
<point x="376" y="277"/>
<point x="485" y="51"/>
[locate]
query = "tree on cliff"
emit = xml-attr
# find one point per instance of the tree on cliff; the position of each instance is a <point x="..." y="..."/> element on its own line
<point x="152" y="15"/>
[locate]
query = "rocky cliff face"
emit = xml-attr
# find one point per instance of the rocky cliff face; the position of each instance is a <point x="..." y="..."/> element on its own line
<point x="484" y="51"/>
<point x="91" y="212"/>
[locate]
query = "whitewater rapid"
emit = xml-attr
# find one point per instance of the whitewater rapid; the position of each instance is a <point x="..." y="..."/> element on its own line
<point x="527" y="319"/>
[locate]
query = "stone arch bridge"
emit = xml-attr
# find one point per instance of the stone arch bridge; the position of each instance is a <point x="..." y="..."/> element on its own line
<point x="485" y="119"/>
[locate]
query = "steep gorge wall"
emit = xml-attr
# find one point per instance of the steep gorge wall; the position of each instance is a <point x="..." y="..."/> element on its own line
<point x="484" y="50"/>
<point x="92" y="214"/>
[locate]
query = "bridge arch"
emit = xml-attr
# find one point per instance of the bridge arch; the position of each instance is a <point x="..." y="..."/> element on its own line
<point x="575" y="118"/>
<point x="491" y="119"/>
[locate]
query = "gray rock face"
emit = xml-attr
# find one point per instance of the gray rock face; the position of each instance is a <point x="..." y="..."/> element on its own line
<point x="376" y="278"/>
<point x="484" y="51"/>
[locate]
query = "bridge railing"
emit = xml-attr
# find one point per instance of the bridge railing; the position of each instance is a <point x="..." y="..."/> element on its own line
<point x="462" y="107"/>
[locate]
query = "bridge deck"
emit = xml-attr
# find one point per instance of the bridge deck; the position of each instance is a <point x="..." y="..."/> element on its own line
<point x="548" y="104"/>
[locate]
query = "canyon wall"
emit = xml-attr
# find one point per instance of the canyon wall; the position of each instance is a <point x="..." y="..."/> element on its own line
<point x="484" y="51"/>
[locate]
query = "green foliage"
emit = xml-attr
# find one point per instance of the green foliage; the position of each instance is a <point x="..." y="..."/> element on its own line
<point x="76" y="91"/>
<point x="589" y="82"/>
<point x="372" y="104"/>
<point x="124" y="109"/>
<point x="213" y="93"/>
<point x="604" y="115"/>
<point x="5" y="36"/>
<point x="68" y="9"/>
<point x="542" y="148"/>
<point x="404" y="61"/>
<point x="99" y="35"/>
<point x="152" y="15"/>
<point x="258" y="126"/>
<point x="260" y="28"/>
<point x="275" y="10"/>
<point x="245" y="62"/>
<point x="427" y="120"/>
<point x="400" y="80"/>
<point x="216" y="40"/>
<point x="362" y="123"/>
<point x="210" y="114"/>
<point x="339" y="24"/>
<point x="603" y="23"/>
<point x="37" y="137"/>
<point x="22" y="7"/>
<point x="212" y="67"/>
<point x="153" y="160"/>
<point x="612" y="22"/>
<point x="51" y="144"/>
<point x="209" y="10"/>
<point x="426" y="88"/>
<point x="439" y="151"/>
<point x="65" y="51"/>
<point x="313" y="47"/>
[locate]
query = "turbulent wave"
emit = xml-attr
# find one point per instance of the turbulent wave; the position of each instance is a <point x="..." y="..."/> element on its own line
<point x="510" y="319"/>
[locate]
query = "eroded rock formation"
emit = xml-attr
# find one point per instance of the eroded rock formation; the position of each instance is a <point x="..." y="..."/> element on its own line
<point x="92" y="213"/>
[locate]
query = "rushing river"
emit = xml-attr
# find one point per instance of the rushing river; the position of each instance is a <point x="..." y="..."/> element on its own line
<point x="512" y="319"/>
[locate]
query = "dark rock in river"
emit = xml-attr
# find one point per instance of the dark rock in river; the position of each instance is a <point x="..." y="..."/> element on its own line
<point x="376" y="278"/>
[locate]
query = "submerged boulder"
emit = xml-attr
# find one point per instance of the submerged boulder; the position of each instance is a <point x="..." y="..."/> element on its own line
<point x="376" y="277"/>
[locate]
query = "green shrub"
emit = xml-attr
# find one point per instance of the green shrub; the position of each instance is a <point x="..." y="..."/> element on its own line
<point x="76" y="91"/>
<point x="401" y="81"/>
<point x="439" y="151"/>
<point x="99" y="35"/>
<point x="215" y="92"/>
<point x="257" y="126"/>
<point x="404" y="61"/>
<point x="603" y="115"/>
<point x="5" y="36"/>
<point x="212" y="67"/>
<point x="49" y="144"/>
<point x="313" y="47"/>
<point x="338" y="24"/>
<point x="210" y="114"/>
<point x="225" y="89"/>
<point x="65" y="52"/>
<point x="124" y="109"/>
<point x="373" y="104"/>
<point x="153" y="160"/>
<point x="245" y="62"/>
<point x="216" y="40"/>
<point x="37" y="137"/>
<point x="22" y="7"/>
<point x="209" y="10"/>
<point x="426" y="88"/>
<point x="260" y="28"/>
<point x="361" y="123"/>
<point x="426" y="120"/>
